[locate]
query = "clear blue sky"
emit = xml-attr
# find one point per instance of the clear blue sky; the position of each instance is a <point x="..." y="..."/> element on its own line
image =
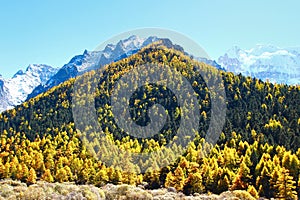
<point x="53" y="31"/>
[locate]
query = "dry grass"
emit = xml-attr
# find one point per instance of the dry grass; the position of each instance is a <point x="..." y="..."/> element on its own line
<point x="69" y="191"/>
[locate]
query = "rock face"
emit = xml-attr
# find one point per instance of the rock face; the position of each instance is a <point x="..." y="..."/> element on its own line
<point x="266" y="62"/>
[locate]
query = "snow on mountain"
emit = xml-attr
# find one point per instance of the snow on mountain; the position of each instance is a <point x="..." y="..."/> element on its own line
<point x="90" y="60"/>
<point x="14" y="91"/>
<point x="4" y="96"/>
<point x="266" y="62"/>
<point x="39" y="78"/>
<point x="124" y="48"/>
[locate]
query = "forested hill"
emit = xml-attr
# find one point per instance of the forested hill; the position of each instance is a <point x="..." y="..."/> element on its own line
<point x="271" y="111"/>
<point x="40" y="141"/>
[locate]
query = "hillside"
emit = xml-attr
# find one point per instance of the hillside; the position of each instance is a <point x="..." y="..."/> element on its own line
<point x="258" y="150"/>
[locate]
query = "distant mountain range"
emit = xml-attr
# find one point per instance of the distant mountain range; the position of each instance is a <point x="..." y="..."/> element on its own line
<point x="39" y="78"/>
<point x="90" y="60"/>
<point x="263" y="62"/>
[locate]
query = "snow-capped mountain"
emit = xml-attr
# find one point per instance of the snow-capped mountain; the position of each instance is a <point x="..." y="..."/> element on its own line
<point x="90" y="60"/>
<point x="4" y="96"/>
<point x="14" y="91"/>
<point x="266" y="62"/>
<point x="39" y="78"/>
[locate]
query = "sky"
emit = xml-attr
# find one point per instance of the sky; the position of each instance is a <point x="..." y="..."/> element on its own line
<point x="53" y="31"/>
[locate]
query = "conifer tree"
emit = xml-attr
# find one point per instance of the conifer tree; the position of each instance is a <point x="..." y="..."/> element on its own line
<point x="286" y="185"/>
<point x="223" y="184"/>
<point x="169" y="182"/>
<point x="194" y="184"/>
<point x="31" y="179"/>
<point x="101" y="177"/>
<point x="242" y="178"/>
<point x="61" y="175"/>
<point x="179" y="179"/>
<point x="251" y="189"/>
<point x="117" y="177"/>
<point x="47" y="176"/>
<point x="273" y="181"/>
<point x="263" y="182"/>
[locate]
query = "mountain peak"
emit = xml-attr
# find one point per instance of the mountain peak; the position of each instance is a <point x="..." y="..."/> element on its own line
<point x="38" y="67"/>
<point x="109" y="48"/>
<point x="131" y="43"/>
<point x="90" y="60"/>
<point x="32" y="67"/>
<point x="39" y="78"/>
<point x="131" y="38"/>
<point x="20" y="72"/>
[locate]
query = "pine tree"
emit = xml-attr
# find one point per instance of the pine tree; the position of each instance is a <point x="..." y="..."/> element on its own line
<point x="263" y="182"/>
<point x="179" y="179"/>
<point x="223" y="184"/>
<point x="19" y="175"/>
<point x="31" y="179"/>
<point x="25" y="172"/>
<point x="251" y="189"/>
<point x="298" y="186"/>
<point x="117" y="177"/>
<point x="286" y="185"/>
<point x="273" y="181"/>
<point x="6" y="173"/>
<point x="2" y="169"/>
<point x="101" y="177"/>
<point x="13" y="168"/>
<point x="152" y="178"/>
<point x="169" y="182"/>
<point x="61" y="175"/>
<point x="242" y="178"/>
<point x="194" y="184"/>
<point x="47" y="176"/>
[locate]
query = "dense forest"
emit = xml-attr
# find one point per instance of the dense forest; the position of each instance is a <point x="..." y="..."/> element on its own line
<point x="257" y="151"/>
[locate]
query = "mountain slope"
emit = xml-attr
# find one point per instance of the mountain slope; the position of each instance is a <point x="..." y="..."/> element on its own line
<point x="265" y="62"/>
<point x="14" y="91"/>
<point x="4" y="96"/>
<point x="243" y="95"/>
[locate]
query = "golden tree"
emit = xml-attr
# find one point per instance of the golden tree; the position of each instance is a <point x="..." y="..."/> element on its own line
<point x="286" y="185"/>
<point x="47" y="176"/>
<point x="31" y="179"/>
